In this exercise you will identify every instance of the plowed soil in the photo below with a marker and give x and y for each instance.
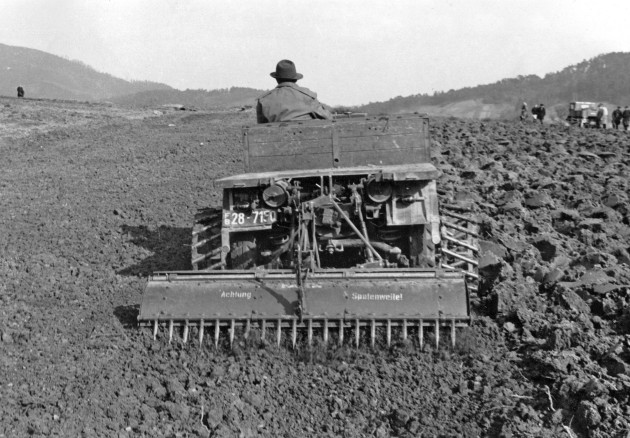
(95, 197)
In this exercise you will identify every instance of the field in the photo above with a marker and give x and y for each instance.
(95, 197)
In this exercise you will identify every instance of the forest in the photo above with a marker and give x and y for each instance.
(603, 78)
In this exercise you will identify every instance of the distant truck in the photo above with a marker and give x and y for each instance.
(583, 114)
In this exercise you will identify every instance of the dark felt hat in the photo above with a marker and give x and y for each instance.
(286, 70)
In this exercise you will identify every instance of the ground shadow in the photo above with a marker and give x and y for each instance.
(127, 315)
(170, 247)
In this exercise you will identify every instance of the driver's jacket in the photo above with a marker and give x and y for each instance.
(290, 102)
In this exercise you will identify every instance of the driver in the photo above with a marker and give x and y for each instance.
(288, 101)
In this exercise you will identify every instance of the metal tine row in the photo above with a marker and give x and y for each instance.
(341, 325)
(459, 239)
(459, 217)
(460, 228)
(462, 251)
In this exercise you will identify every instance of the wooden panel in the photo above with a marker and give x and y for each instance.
(344, 143)
(295, 162)
(379, 158)
(279, 132)
(379, 143)
(381, 127)
(280, 149)
(323, 160)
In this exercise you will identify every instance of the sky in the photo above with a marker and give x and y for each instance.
(350, 51)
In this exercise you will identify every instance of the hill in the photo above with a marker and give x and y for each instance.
(52, 77)
(222, 98)
(600, 79)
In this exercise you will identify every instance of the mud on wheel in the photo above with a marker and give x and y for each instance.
(206, 240)
(459, 247)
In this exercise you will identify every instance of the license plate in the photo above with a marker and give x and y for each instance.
(253, 219)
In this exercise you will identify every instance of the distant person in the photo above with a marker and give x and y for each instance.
(540, 114)
(20, 92)
(626, 118)
(524, 112)
(602, 116)
(535, 111)
(617, 117)
(288, 101)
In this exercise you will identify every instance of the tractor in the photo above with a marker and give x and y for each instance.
(334, 228)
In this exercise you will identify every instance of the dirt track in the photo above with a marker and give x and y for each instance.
(94, 198)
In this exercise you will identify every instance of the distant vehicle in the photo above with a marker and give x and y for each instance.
(583, 114)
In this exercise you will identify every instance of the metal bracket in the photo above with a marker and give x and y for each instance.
(335, 147)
